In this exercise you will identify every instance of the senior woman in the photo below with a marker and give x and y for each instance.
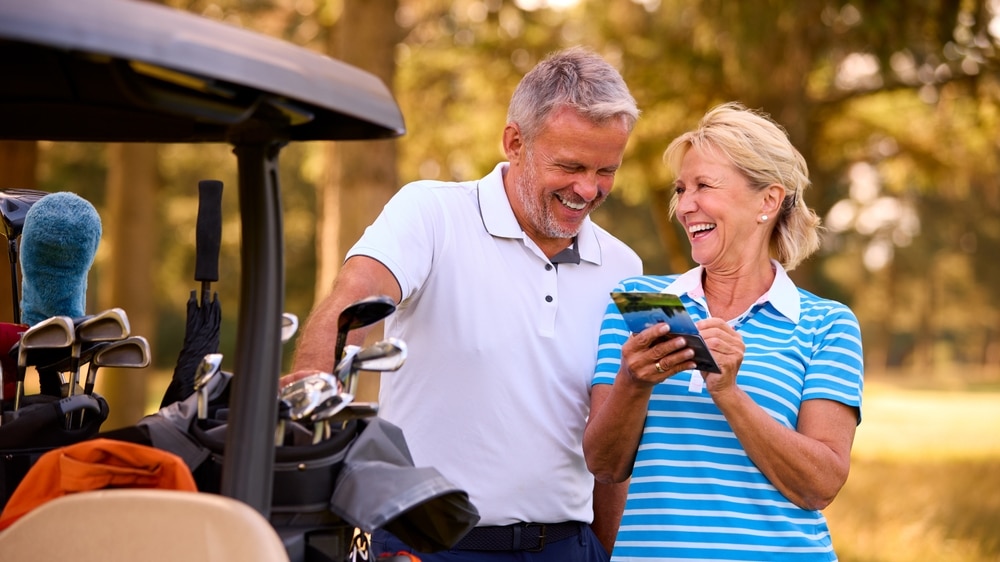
(734, 465)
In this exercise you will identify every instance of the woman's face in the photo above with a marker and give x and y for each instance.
(720, 212)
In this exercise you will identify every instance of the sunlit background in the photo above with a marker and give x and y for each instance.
(896, 106)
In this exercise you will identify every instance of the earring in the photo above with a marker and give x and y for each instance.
(763, 218)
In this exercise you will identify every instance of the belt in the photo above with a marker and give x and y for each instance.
(519, 536)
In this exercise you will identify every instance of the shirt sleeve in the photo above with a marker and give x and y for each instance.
(836, 369)
(403, 236)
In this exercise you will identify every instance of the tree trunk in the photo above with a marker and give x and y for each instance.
(361, 176)
(126, 279)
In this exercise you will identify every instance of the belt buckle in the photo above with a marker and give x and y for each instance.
(541, 537)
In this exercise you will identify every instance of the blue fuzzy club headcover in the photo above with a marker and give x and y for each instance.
(58, 244)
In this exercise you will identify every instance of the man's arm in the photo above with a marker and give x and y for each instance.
(609, 503)
(360, 277)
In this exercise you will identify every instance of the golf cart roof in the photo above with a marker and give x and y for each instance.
(132, 71)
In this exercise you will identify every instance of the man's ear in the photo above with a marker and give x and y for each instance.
(513, 142)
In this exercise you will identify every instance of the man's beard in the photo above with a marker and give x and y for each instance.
(537, 209)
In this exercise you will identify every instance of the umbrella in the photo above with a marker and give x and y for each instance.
(204, 315)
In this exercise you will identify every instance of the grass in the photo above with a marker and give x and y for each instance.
(925, 478)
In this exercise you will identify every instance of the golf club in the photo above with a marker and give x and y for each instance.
(129, 353)
(359, 314)
(14, 205)
(386, 355)
(308, 396)
(346, 365)
(109, 325)
(352, 411)
(284, 408)
(209, 367)
(54, 332)
(321, 419)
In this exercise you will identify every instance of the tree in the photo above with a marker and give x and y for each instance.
(909, 90)
(18, 165)
(361, 176)
(129, 229)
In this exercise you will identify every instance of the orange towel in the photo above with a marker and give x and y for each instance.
(94, 465)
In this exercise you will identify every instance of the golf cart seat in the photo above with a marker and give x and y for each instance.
(153, 525)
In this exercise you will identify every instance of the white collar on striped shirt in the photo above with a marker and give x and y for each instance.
(783, 294)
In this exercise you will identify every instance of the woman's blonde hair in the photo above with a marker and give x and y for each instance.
(758, 147)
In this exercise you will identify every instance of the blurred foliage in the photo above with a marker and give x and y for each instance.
(907, 93)
(896, 106)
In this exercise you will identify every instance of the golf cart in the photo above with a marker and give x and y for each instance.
(132, 71)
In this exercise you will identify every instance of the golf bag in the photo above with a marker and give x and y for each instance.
(38, 427)
(362, 477)
(40, 423)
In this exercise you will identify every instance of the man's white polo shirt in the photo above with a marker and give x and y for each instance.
(502, 346)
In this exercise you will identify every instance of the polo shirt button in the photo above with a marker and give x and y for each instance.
(548, 298)
(548, 267)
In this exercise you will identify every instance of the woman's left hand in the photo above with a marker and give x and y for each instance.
(727, 348)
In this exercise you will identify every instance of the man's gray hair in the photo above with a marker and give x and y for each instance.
(576, 78)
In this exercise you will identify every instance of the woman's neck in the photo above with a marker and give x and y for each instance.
(731, 294)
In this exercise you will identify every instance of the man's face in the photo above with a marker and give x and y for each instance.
(563, 174)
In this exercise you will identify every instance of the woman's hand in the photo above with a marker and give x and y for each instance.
(727, 349)
(652, 356)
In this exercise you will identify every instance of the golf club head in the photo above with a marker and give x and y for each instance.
(54, 332)
(361, 313)
(57, 331)
(309, 395)
(332, 408)
(209, 366)
(386, 355)
(129, 353)
(321, 419)
(108, 325)
(346, 365)
(14, 205)
(289, 325)
(355, 411)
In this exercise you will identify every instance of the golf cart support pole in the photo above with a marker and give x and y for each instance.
(247, 470)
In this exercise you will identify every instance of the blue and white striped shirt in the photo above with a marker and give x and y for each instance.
(694, 494)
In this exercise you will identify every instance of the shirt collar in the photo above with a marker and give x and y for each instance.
(783, 295)
(569, 255)
(499, 219)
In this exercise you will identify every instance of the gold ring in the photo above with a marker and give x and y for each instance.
(659, 369)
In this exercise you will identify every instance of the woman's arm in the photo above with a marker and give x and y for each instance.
(808, 464)
(618, 411)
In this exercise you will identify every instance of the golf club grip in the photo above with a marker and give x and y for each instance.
(209, 230)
